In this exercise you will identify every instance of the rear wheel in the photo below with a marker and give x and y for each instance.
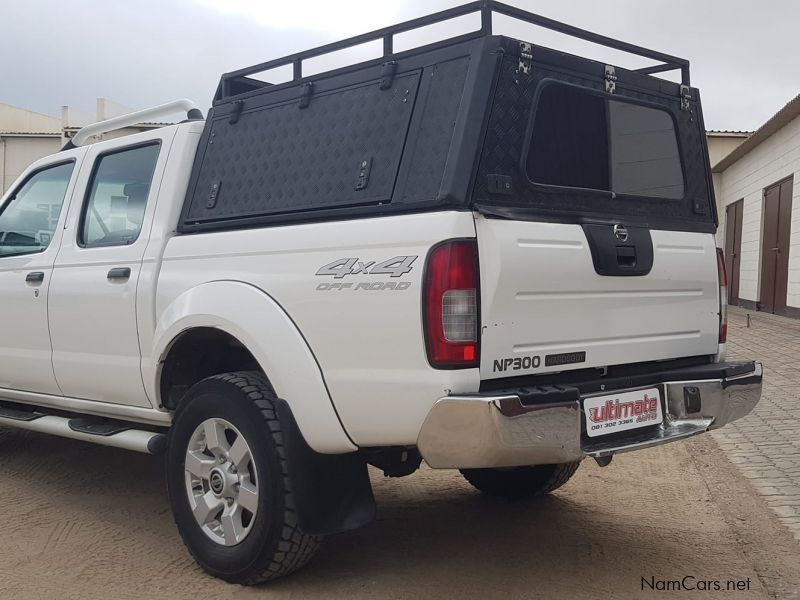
(228, 482)
(521, 482)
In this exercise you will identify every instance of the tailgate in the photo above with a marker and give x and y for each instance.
(545, 308)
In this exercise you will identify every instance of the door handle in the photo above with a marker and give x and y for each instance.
(35, 277)
(119, 273)
(626, 256)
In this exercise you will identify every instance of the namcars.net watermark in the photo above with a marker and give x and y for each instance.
(691, 583)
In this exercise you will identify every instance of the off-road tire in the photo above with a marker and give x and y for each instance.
(275, 546)
(521, 482)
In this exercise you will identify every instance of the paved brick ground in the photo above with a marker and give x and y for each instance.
(766, 444)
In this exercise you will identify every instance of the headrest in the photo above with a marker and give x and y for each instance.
(137, 200)
(136, 190)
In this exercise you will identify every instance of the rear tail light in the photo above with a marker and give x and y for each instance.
(451, 305)
(723, 297)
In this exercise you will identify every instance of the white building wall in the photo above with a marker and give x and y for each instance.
(18, 152)
(18, 120)
(720, 144)
(25, 136)
(771, 161)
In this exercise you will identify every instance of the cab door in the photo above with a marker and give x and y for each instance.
(93, 320)
(31, 220)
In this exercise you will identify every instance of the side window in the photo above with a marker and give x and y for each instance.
(569, 145)
(644, 152)
(115, 204)
(584, 140)
(30, 216)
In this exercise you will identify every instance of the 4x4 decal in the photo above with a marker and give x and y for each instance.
(394, 267)
(342, 267)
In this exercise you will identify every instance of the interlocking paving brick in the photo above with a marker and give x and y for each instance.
(765, 445)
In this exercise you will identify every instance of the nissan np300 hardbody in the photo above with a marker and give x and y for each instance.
(483, 253)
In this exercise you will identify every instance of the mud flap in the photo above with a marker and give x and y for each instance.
(332, 492)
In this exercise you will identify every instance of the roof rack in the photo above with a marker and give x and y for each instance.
(134, 118)
(486, 8)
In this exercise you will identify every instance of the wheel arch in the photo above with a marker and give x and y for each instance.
(195, 354)
(250, 323)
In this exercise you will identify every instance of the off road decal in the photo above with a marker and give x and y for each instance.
(370, 286)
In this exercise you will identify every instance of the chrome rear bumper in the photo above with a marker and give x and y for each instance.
(504, 430)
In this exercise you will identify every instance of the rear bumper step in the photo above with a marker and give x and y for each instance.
(510, 428)
(117, 434)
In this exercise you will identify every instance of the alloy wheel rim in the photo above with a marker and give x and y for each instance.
(221, 481)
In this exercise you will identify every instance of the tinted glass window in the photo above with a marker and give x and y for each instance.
(117, 199)
(584, 140)
(644, 152)
(30, 216)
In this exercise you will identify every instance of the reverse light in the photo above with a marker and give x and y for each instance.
(723, 297)
(451, 305)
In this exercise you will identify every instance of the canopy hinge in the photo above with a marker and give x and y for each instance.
(525, 58)
(388, 69)
(611, 79)
(236, 111)
(686, 96)
(305, 94)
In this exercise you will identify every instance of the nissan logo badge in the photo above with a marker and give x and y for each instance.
(621, 232)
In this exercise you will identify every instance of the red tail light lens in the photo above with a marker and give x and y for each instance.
(723, 297)
(451, 311)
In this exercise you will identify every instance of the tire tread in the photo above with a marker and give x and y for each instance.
(295, 548)
(521, 482)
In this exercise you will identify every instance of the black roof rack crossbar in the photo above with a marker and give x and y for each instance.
(665, 67)
(486, 8)
(669, 62)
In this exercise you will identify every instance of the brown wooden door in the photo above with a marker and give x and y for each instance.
(775, 246)
(733, 248)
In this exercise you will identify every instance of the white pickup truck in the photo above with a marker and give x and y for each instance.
(482, 253)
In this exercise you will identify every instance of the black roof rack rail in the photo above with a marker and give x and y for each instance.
(486, 9)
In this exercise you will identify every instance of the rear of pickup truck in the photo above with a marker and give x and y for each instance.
(574, 363)
(600, 312)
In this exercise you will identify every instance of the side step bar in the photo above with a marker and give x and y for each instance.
(118, 434)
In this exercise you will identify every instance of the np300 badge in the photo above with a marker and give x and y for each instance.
(517, 363)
